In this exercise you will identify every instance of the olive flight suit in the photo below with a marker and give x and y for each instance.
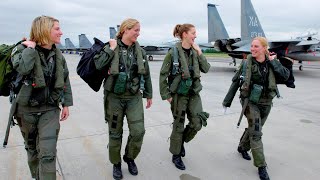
(183, 86)
(264, 75)
(45, 86)
(128, 82)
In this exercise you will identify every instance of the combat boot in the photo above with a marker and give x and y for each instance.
(263, 174)
(117, 172)
(176, 159)
(131, 166)
(244, 154)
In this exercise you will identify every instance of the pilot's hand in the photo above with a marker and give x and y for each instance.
(64, 113)
(29, 43)
(197, 48)
(169, 100)
(272, 56)
(149, 103)
(113, 44)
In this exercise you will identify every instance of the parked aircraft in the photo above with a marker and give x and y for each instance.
(297, 49)
(151, 49)
(69, 47)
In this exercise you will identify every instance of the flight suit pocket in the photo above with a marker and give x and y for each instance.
(197, 87)
(109, 83)
(175, 84)
(24, 95)
(30, 118)
(255, 93)
(134, 85)
(184, 86)
(120, 84)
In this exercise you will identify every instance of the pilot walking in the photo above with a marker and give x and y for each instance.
(46, 88)
(128, 82)
(256, 78)
(180, 85)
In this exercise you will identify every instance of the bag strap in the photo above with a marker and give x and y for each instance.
(175, 63)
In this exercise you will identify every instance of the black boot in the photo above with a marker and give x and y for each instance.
(183, 151)
(263, 174)
(131, 166)
(117, 172)
(176, 159)
(244, 154)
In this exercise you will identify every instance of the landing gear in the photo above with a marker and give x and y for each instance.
(300, 67)
(150, 58)
(234, 62)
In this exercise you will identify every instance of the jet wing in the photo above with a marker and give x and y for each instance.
(244, 48)
(308, 43)
(207, 45)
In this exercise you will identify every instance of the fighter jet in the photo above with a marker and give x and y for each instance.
(300, 48)
(70, 48)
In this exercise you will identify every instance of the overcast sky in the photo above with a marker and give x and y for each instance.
(280, 19)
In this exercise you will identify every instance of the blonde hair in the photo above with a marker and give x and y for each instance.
(126, 24)
(179, 29)
(264, 43)
(41, 30)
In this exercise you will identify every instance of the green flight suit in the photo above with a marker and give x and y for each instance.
(38, 111)
(265, 75)
(129, 103)
(183, 104)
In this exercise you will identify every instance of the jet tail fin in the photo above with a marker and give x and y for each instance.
(84, 42)
(250, 24)
(69, 44)
(216, 28)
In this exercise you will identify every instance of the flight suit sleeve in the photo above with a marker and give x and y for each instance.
(203, 64)
(147, 93)
(233, 88)
(23, 59)
(103, 58)
(164, 74)
(281, 73)
(67, 92)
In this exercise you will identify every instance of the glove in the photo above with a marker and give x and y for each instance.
(203, 117)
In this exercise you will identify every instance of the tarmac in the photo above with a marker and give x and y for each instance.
(290, 135)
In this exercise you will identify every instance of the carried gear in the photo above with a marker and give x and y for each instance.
(10, 122)
(203, 117)
(8, 75)
(287, 64)
(244, 107)
(86, 68)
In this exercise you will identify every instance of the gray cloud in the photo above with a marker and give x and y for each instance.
(280, 19)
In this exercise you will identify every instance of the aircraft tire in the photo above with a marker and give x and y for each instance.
(150, 58)
(301, 68)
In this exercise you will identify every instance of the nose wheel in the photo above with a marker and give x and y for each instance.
(301, 68)
(150, 58)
